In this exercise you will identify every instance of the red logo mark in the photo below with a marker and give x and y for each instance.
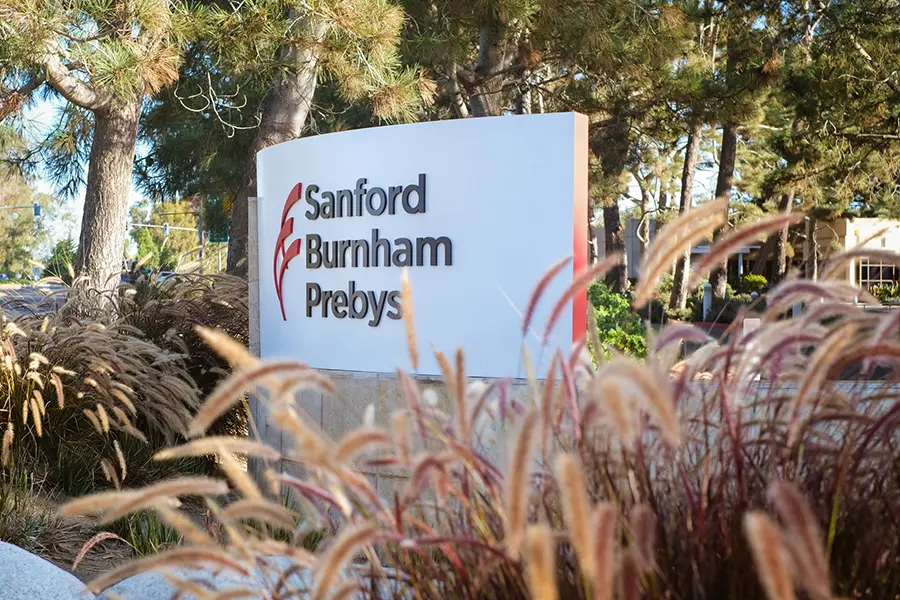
(292, 251)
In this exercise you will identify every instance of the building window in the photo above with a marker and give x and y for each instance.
(872, 273)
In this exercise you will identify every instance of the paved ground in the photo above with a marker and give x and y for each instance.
(18, 300)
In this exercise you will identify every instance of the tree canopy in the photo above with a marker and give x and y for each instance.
(776, 106)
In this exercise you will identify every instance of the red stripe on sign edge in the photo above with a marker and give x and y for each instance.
(580, 233)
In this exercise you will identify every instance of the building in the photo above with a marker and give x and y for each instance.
(845, 234)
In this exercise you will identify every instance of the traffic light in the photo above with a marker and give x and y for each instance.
(37, 209)
(165, 229)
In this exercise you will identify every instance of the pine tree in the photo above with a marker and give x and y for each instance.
(104, 58)
(286, 48)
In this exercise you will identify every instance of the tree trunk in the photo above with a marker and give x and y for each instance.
(759, 268)
(663, 202)
(683, 266)
(456, 95)
(283, 118)
(781, 242)
(812, 256)
(100, 250)
(486, 96)
(724, 183)
(617, 277)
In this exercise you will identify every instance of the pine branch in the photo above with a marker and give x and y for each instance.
(889, 80)
(11, 100)
(879, 136)
(70, 87)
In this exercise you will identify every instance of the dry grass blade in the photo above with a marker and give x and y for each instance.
(678, 332)
(189, 588)
(361, 440)
(177, 557)
(604, 531)
(270, 547)
(312, 444)
(345, 590)
(446, 371)
(576, 508)
(539, 290)
(183, 525)
(232, 389)
(400, 434)
(94, 420)
(517, 482)
(817, 372)
(104, 418)
(769, 556)
(530, 375)
(58, 386)
(95, 503)
(140, 263)
(805, 535)
(121, 458)
(226, 347)
(654, 393)
(630, 576)
(546, 406)
(672, 241)
(838, 260)
(209, 446)
(89, 545)
(8, 437)
(162, 493)
(238, 476)
(643, 527)
(462, 410)
(620, 414)
(540, 562)
(408, 322)
(338, 553)
(581, 281)
(799, 290)
(259, 509)
(737, 239)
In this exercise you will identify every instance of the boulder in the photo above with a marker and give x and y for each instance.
(155, 586)
(26, 576)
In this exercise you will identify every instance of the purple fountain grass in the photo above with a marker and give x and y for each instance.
(682, 456)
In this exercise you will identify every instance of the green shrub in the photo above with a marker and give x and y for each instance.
(146, 533)
(664, 290)
(886, 292)
(59, 263)
(618, 325)
(753, 283)
(679, 314)
(721, 311)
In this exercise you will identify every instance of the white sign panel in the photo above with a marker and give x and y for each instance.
(477, 210)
